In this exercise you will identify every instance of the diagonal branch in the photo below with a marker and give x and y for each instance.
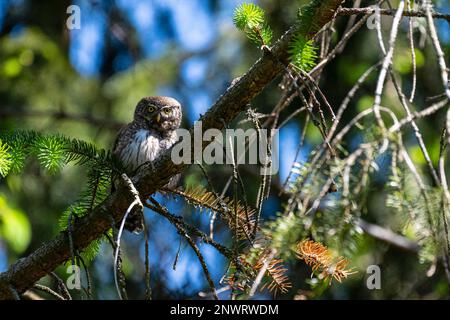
(23, 274)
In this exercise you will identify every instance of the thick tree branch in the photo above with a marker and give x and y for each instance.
(25, 272)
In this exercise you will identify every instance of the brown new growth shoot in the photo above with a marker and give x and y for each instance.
(320, 259)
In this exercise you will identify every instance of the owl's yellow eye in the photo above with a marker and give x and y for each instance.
(152, 108)
(166, 110)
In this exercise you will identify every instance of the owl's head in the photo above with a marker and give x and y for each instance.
(159, 113)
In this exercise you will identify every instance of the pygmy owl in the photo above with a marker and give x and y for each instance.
(152, 131)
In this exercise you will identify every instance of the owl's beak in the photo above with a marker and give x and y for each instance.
(158, 117)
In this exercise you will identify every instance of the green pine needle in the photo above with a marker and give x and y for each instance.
(5, 159)
(20, 143)
(92, 250)
(306, 16)
(303, 53)
(49, 151)
(266, 34)
(76, 212)
(249, 18)
(55, 151)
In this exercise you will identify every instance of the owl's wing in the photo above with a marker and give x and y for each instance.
(117, 148)
(119, 143)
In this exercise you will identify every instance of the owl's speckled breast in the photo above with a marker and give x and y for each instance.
(145, 146)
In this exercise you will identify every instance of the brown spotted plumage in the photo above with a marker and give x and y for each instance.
(152, 131)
